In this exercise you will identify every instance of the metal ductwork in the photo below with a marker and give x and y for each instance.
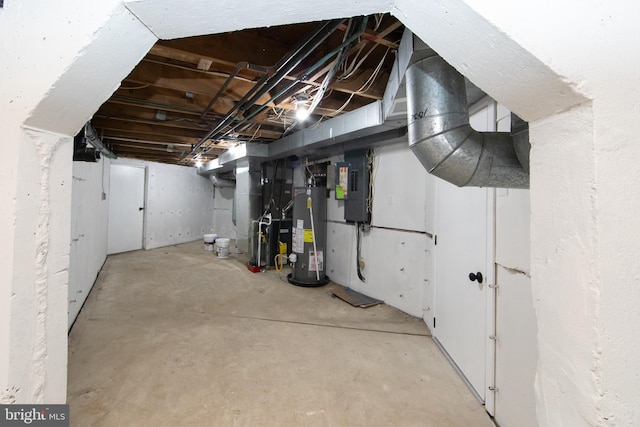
(221, 183)
(439, 133)
(444, 142)
(247, 201)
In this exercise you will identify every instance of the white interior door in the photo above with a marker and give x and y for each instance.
(126, 208)
(465, 308)
(460, 303)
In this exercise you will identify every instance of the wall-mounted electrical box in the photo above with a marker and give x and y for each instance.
(352, 185)
(342, 181)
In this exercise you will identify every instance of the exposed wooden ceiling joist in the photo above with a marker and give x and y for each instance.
(162, 105)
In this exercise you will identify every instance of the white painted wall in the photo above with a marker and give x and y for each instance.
(397, 250)
(223, 225)
(42, 108)
(179, 204)
(40, 266)
(89, 220)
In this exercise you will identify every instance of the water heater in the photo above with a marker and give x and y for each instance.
(309, 236)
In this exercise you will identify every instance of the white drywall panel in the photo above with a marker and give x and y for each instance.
(89, 221)
(396, 268)
(397, 265)
(399, 189)
(179, 204)
(341, 252)
(223, 224)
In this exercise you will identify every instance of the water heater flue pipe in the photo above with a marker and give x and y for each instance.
(442, 139)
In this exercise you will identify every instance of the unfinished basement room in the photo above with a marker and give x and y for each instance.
(334, 214)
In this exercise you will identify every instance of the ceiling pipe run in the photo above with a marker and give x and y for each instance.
(239, 67)
(284, 67)
(444, 142)
(439, 132)
(283, 93)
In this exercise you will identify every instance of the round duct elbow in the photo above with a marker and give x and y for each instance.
(442, 139)
(221, 183)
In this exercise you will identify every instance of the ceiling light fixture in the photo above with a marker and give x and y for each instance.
(302, 109)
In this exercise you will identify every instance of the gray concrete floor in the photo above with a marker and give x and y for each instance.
(178, 337)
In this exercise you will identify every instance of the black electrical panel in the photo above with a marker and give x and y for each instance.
(352, 186)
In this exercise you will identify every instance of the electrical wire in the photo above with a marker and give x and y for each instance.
(135, 87)
(369, 82)
(364, 88)
(312, 177)
(371, 158)
(348, 68)
(378, 18)
(351, 34)
(353, 67)
(358, 238)
(255, 133)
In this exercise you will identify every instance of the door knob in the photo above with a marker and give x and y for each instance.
(140, 209)
(475, 276)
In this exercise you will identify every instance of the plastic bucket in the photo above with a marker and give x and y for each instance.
(222, 245)
(209, 240)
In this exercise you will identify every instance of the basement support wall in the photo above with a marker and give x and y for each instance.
(55, 75)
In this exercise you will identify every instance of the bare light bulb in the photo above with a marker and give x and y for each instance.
(302, 110)
(301, 113)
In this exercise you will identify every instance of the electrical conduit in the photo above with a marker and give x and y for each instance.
(313, 234)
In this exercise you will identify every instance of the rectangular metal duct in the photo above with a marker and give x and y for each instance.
(247, 198)
(227, 160)
(341, 131)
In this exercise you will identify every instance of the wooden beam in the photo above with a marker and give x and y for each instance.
(160, 139)
(145, 128)
(379, 37)
(184, 80)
